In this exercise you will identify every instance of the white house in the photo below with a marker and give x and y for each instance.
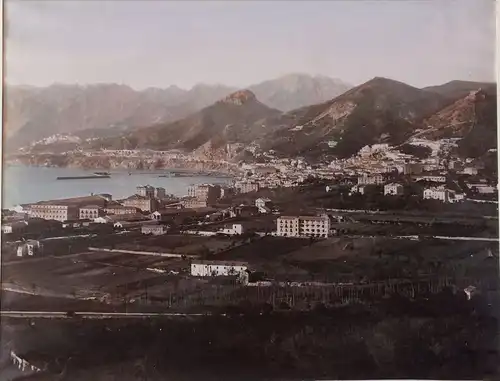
(470, 291)
(393, 189)
(234, 229)
(29, 247)
(438, 193)
(13, 227)
(470, 171)
(363, 189)
(217, 268)
(262, 202)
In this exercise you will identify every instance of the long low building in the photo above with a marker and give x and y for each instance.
(64, 209)
(217, 268)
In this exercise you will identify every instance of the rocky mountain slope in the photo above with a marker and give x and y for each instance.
(34, 113)
(104, 110)
(380, 110)
(472, 118)
(234, 119)
(298, 90)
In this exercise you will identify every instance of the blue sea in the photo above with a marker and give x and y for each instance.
(24, 184)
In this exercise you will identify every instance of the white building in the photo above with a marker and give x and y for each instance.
(439, 193)
(303, 226)
(363, 189)
(234, 229)
(30, 247)
(393, 189)
(435, 179)
(262, 202)
(217, 268)
(370, 180)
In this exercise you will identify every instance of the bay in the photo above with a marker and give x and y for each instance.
(25, 184)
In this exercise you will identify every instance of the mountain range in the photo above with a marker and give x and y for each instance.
(101, 110)
(381, 110)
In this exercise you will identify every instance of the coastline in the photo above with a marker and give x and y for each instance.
(123, 164)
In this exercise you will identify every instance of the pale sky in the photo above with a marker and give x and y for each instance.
(237, 43)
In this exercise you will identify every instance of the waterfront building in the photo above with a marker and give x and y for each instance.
(58, 212)
(144, 203)
(90, 212)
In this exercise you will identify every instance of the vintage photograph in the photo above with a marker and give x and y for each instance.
(249, 190)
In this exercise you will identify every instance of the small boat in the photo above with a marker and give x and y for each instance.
(102, 173)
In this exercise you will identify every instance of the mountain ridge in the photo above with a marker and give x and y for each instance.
(33, 113)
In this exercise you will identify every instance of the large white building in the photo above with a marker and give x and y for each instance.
(49, 211)
(303, 226)
(393, 189)
(217, 268)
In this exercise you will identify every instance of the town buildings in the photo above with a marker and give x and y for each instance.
(393, 189)
(194, 203)
(120, 209)
(150, 191)
(437, 193)
(144, 203)
(376, 179)
(247, 186)
(50, 211)
(90, 212)
(303, 226)
(145, 191)
(412, 168)
(205, 193)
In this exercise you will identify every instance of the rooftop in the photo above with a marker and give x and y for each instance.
(74, 201)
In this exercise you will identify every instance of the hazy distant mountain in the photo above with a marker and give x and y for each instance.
(297, 90)
(209, 120)
(34, 113)
(233, 119)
